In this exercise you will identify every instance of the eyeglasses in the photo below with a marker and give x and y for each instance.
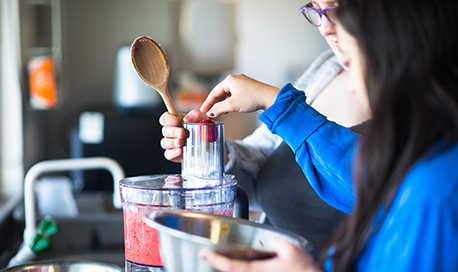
(314, 15)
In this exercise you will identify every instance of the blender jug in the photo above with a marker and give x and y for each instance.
(202, 186)
(144, 194)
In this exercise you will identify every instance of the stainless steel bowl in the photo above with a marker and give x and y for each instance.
(64, 266)
(183, 234)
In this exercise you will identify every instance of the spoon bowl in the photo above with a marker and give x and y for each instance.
(152, 66)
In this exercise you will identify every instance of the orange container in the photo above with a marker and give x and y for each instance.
(42, 83)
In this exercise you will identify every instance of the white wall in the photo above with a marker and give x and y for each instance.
(275, 44)
(275, 41)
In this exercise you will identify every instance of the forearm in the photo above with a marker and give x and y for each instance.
(323, 149)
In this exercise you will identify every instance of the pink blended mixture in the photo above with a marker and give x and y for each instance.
(141, 241)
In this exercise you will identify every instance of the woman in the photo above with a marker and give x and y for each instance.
(264, 166)
(405, 209)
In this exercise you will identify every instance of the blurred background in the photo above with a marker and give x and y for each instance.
(68, 88)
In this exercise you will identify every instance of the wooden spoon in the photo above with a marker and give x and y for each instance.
(152, 66)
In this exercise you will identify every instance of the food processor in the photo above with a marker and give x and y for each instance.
(202, 186)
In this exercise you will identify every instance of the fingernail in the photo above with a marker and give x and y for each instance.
(202, 255)
(188, 118)
(211, 113)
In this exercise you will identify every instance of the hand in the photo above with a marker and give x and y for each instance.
(289, 258)
(174, 134)
(239, 93)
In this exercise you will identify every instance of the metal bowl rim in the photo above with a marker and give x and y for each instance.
(60, 262)
(149, 220)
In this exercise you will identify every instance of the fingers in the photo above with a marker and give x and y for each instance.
(222, 263)
(297, 258)
(238, 93)
(174, 155)
(289, 258)
(194, 116)
(283, 247)
(174, 132)
(168, 119)
(172, 143)
(220, 93)
(223, 107)
(174, 136)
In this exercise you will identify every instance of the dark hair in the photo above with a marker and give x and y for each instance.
(410, 52)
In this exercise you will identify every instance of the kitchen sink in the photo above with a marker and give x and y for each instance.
(97, 234)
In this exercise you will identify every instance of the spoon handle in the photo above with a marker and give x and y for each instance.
(169, 103)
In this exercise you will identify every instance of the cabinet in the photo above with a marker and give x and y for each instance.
(41, 52)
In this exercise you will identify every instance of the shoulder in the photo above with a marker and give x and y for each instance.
(326, 56)
(417, 231)
(429, 192)
(322, 70)
(434, 176)
(324, 62)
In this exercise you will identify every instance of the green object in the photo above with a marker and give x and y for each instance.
(46, 228)
(39, 242)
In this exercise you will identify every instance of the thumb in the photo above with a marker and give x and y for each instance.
(294, 255)
(194, 116)
(283, 247)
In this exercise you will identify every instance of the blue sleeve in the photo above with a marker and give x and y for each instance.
(323, 149)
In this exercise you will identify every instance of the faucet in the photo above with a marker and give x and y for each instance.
(49, 166)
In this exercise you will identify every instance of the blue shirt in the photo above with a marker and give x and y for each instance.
(419, 232)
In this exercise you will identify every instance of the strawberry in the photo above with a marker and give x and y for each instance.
(207, 121)
(208, 133)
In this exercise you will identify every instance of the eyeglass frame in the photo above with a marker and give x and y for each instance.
(320, 12)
